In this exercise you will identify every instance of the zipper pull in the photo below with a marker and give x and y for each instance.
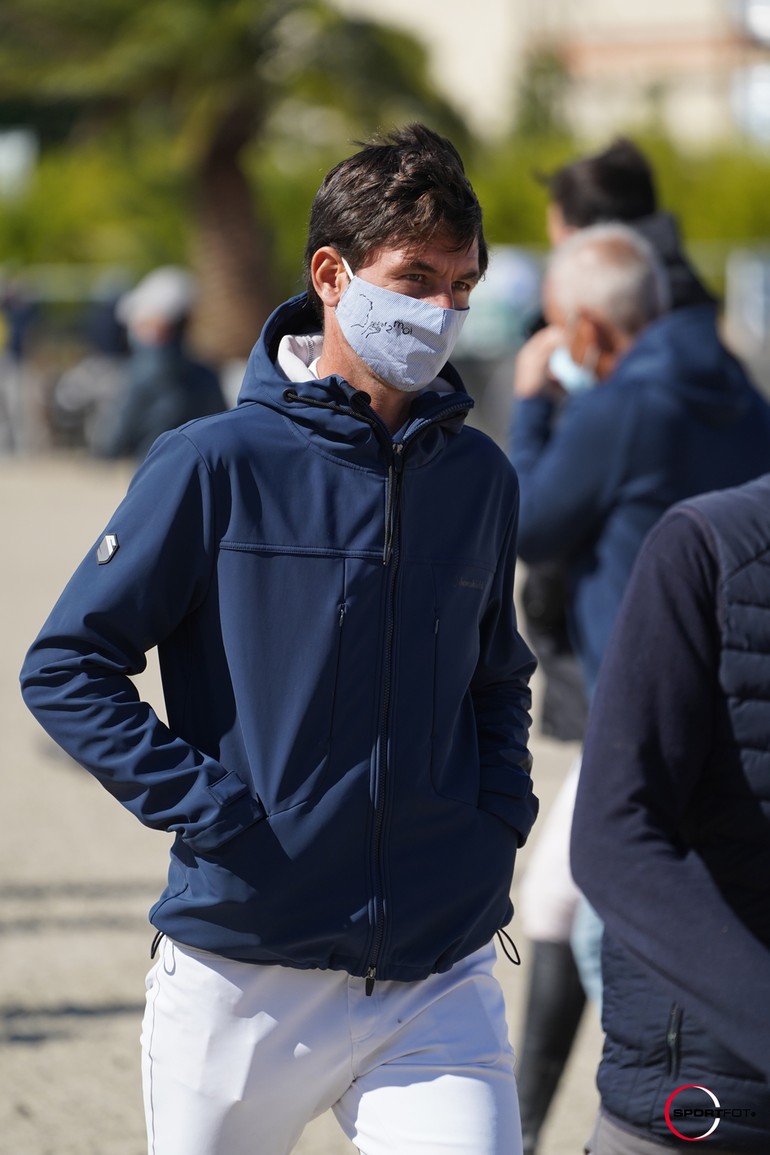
(370, 976)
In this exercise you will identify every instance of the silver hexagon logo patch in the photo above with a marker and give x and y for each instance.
(107, 549)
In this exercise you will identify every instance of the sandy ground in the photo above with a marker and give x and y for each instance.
(78, 874)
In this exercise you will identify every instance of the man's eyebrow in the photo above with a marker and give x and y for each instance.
(472, 274)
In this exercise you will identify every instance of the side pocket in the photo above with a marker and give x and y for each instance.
(673, 1041)
(239, 811)
(459, 594)
(342, 611)
(436, 628)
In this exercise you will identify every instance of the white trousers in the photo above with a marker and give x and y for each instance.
(549, 898)
(238, 1058)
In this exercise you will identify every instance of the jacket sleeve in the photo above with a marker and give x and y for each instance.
(76, 678)
(563, 458)
(502, 701)
(645, 760)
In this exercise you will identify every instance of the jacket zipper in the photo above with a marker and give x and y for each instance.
(390, 558)
(391, 502)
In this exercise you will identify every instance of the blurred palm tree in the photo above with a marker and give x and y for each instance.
(216, 79)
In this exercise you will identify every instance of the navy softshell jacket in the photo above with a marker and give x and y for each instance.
(345, 764)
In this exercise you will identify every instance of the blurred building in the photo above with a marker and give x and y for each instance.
(701, 68)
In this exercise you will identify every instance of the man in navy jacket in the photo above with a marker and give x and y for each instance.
(327, 571)
(671, 835)
(659, 411)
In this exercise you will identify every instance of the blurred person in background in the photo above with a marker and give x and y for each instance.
(164, 386)
(618, 184)
(91, 386)
(327, 570)
(615, 184)
(621, 409)
(671, 835)
(17, 314)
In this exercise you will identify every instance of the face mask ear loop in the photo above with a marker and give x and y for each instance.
(591, 363)
(587, 362)
(346, 267)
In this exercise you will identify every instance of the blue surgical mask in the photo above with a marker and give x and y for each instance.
(572, 377)
(405, 341)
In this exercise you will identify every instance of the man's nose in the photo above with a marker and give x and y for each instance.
(444, 298)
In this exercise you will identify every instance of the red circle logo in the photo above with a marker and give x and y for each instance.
(707, 1117)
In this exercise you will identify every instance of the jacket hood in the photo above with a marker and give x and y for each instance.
(682, 353)
(685, 286)
(331, 408)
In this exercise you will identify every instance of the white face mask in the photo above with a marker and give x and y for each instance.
(572, 377)
(405, 341)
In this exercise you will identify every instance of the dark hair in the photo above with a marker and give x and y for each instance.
(614, 185)
(402, 187)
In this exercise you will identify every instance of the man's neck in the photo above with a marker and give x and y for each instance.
(391, 405)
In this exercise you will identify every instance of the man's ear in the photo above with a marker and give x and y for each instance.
(598, 344)
(329, 277)
(591, 330)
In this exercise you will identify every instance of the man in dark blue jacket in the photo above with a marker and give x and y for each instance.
(327, 571)
(671, 835)
(656, 410)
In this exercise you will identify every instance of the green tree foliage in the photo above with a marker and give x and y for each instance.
(508, 185)
(541, 96)
(198, 130)
(206, 87)
(723, 193)
(84, 206)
